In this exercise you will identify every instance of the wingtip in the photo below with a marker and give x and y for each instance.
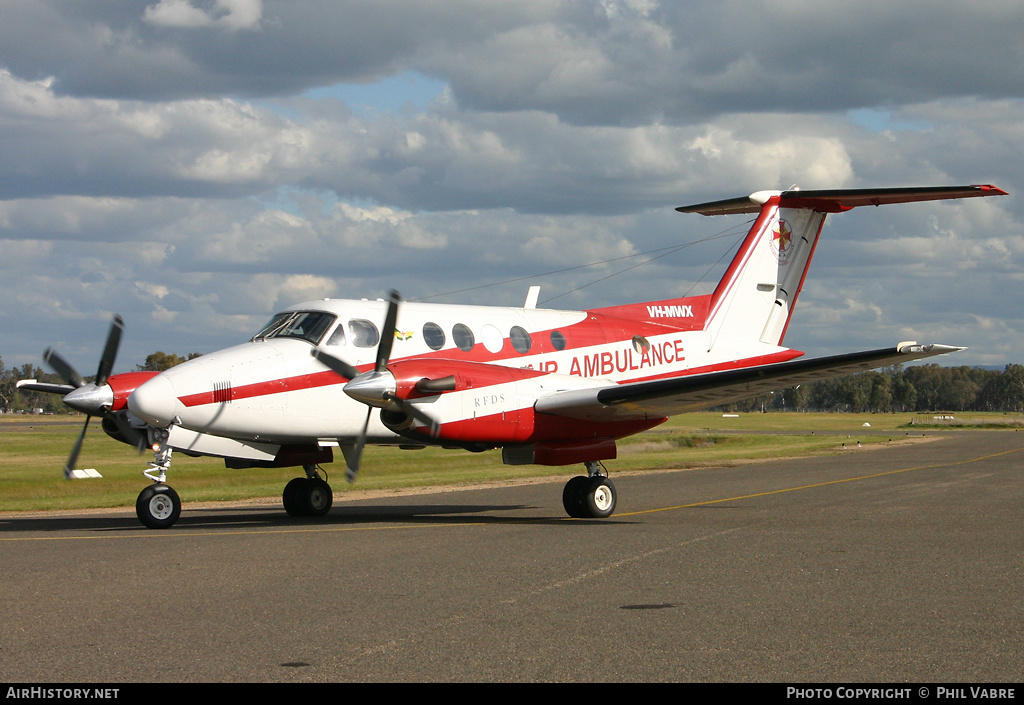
(912, 346)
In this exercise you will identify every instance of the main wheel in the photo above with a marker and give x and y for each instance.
(290, 496)
(600, 498)
(314, 498)
(158, 506)
(573, 496)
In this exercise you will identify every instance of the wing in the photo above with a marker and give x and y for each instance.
(665, 397)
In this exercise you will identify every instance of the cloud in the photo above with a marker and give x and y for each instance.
(228, 14)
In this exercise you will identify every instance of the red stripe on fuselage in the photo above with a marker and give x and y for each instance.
(596, 329)
(328, 378)
(259, 389)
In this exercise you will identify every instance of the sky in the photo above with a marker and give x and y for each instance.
(197, 165)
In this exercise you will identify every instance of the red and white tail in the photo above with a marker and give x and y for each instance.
(754, 300)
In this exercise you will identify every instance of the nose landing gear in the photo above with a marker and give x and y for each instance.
(158, 506)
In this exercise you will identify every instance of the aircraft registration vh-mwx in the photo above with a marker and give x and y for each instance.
(547, 387)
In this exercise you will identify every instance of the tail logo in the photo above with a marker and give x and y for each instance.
(782, 241)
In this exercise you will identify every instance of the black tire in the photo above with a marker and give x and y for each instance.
(291, 494)
(573, 498)
(315, 498)
(158, 507)
(600, 498)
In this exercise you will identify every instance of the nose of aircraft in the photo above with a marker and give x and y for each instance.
(154, 402)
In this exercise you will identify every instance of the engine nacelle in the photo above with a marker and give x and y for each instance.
(124, 384)
(491, 405)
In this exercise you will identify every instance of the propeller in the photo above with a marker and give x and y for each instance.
(377, 387)
(91, 398)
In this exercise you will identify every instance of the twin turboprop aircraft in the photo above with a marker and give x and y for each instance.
(547, 387)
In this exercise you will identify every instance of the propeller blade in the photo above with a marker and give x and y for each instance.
(373, 387)
(387, 335)
(110, 350)
(61, 366)
(423, 417)
(340, 366)
(92, 399)
(73, 458)
(357, 453)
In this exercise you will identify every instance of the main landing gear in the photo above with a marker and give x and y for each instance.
(308, 496)
(159, 506)
(590, 497)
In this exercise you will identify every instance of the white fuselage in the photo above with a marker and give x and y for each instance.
(273, 391)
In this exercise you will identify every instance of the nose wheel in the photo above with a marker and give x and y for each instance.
(158, 506)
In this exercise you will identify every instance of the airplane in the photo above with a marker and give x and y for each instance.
(547, 387)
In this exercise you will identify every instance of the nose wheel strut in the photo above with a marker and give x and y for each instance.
(158, 506)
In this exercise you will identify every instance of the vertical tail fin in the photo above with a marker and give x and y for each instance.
(755, 299)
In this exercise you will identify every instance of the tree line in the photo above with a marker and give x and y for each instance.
(892, 389)
(897, 389)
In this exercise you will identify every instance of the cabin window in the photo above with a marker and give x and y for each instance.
(463, 337)
(363, 333)
(492, 338)
(433, 336)
(557, 340)
(520, 339)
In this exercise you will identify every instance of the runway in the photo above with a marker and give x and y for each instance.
(894, 565)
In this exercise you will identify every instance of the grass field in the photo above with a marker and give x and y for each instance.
(33, 450)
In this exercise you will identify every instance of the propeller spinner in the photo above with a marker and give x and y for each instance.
(377, 387)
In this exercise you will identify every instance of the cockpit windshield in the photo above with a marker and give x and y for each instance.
(304, 325)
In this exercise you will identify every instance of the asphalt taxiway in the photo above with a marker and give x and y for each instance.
(889, 565)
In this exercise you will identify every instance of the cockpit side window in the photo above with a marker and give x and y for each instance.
(338, 336)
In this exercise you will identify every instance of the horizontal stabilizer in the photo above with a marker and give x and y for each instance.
(30, 385)
(839, 200)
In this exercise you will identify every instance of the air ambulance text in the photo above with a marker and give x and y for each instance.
(626, 359)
